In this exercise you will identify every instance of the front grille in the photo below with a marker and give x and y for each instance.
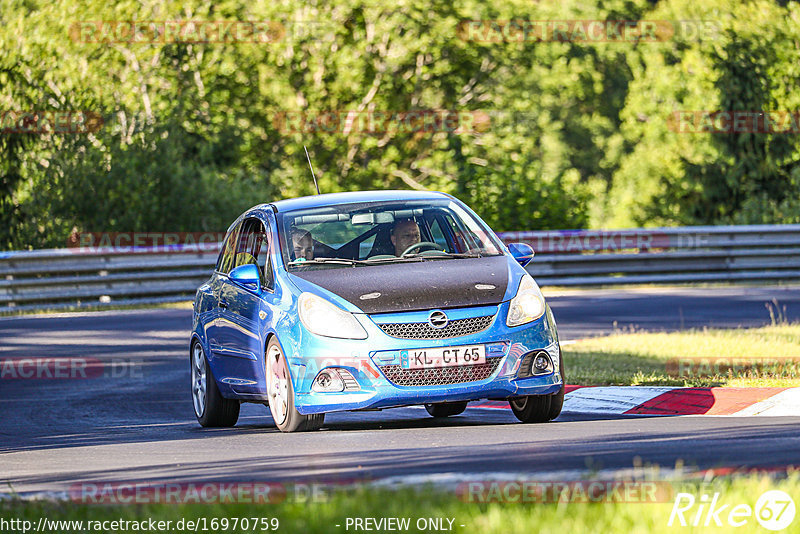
(455, 328)
(439, 376)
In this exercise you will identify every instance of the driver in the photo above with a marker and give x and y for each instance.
(303, 244)
(405, 233)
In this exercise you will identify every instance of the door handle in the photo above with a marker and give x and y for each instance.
(223, 304)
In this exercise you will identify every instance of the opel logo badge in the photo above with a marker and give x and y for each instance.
(438, 319)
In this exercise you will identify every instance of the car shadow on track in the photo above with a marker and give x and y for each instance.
(416, 417)
(90, 430)
(565, 448)
(255, 419)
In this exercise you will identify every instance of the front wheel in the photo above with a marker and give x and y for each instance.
(210, 407)
(557, 400)
(281, 394)
(531, 408)
(541, 408)
(446, 409)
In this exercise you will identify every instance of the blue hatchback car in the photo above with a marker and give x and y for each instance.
(370, 300)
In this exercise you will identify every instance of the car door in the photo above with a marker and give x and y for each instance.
(246, 310)
(225, 263)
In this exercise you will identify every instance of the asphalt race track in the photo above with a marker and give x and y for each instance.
(135, 423)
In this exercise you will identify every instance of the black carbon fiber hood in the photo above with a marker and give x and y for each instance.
(417, 286)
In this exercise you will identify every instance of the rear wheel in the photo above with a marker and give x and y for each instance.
(281, 394)
(446, 409)
(210, 407)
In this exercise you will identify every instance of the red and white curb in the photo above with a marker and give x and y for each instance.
(645, 400)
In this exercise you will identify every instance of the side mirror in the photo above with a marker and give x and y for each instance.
(522, 252)
(247, 276)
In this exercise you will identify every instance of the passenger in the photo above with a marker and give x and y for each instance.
(303, 244)
(405, 233)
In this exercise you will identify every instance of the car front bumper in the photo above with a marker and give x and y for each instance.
(364, 359)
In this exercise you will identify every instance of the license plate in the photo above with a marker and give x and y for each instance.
(442, 357)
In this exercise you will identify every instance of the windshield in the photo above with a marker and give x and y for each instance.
(382, 232)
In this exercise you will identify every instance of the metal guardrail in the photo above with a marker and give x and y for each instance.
(664, 255)
(87, 277)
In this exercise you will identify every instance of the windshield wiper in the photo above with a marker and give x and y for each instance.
(340, 261)
(442, 254)
(394, 259)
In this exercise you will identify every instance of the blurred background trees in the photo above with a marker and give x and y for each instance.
(576, 134)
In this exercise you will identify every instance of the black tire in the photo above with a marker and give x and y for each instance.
(531, 408)
(541, 408)
(212, 410)
(446, 409)
(292, 421)
(557, 400)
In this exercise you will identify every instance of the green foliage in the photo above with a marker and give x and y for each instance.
(749, 62)
(568, 134)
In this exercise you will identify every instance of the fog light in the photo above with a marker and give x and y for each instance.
(327, 381)
(541, 363)
(535, 363)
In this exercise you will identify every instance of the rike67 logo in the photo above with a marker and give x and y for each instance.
(774, 510)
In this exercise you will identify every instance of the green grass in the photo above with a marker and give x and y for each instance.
(642, 358)
(484, 518)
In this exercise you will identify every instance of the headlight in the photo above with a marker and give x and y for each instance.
(325, 319)
(528, 305)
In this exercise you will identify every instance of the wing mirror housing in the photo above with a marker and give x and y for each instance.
(248, 277)
(522, 252)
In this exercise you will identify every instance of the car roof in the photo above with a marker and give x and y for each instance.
(330, 199)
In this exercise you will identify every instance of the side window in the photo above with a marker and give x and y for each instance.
(438, 235)
(221, 258)
(365, 247)
(226, 259)
(253, 248)
(459, 235)
(246, 250)
(265, 264)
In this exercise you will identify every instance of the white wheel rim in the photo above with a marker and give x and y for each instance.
(277, 384)
(198, 380)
